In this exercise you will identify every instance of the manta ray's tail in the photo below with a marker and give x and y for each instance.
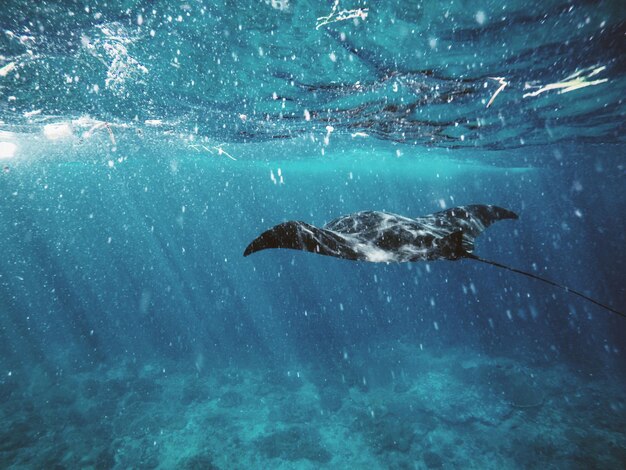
(548, 281)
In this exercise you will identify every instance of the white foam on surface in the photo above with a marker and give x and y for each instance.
(7, 150)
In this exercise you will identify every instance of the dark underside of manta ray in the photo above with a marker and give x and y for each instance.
(383, 237)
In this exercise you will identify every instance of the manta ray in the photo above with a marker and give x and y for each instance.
(382, 237)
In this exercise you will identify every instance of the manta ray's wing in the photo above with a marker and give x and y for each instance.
(472, 220)
(302, 236)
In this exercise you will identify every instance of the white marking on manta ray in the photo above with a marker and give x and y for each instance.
(373, 253)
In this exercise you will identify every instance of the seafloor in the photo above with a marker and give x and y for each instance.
(408, 409)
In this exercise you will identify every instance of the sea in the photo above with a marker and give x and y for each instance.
(145, 143)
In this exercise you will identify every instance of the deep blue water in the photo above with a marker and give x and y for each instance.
(145, 144)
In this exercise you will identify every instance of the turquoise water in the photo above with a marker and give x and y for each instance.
(143, 146)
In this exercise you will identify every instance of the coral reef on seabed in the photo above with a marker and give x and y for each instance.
(448, 410)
